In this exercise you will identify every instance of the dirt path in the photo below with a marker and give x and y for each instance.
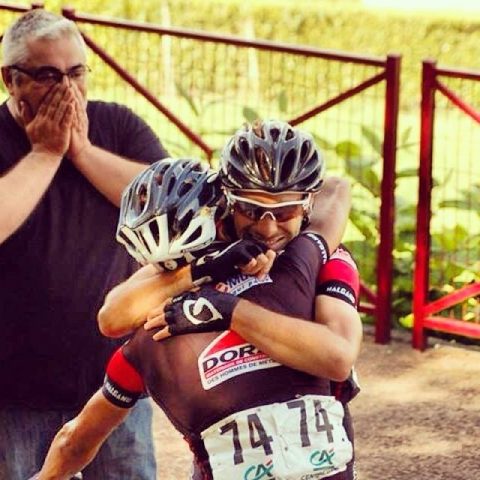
(417, 417)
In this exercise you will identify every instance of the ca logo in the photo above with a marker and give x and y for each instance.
(200, 311)
(322, 459)
(258, 472)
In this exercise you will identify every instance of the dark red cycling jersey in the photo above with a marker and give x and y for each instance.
(243, 414)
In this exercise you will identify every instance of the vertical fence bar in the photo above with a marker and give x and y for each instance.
(387, 209)
(422, 254)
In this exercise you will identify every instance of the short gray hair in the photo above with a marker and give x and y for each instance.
(35, 24)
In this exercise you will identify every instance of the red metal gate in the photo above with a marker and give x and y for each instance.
(454, 113)
(327, 91)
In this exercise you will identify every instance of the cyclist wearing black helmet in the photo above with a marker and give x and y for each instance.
(259, 168)
(270, 172)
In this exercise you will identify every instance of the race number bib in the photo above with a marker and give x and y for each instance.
(293, 440)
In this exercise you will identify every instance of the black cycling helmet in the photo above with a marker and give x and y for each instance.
(274, 157)
(169, 211)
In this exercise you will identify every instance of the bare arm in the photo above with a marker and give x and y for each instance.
(330, 211)
(327, 347)
(22, 187)
(79, 440)
(127, 305)
(142, 296)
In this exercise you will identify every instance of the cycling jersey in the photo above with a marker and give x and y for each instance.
(243, 414)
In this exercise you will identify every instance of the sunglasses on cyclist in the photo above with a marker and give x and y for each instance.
(51, 75)
(279, 212)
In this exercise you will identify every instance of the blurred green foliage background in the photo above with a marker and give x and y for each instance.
(354, 147)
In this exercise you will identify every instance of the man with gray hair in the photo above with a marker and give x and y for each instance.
(64, 163)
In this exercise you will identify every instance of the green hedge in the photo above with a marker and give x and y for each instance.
(327, 24)
(451, 41)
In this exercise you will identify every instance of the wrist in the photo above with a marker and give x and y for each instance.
(44, 159)
(81, 152)
(182, 279)
(199, 274)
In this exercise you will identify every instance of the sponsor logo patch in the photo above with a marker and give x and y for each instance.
(228, 356)
(340, 291)
(200, 311)
(240, 283)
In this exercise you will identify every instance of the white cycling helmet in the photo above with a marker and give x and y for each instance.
(169, 212)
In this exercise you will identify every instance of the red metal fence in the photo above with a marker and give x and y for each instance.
(448, 214)
(196, 88)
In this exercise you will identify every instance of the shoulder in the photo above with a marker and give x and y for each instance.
(340, 267)
(123, 384)
(122, 371)
(342, 254)
(307, 248)
(4, 113)
(118, 129)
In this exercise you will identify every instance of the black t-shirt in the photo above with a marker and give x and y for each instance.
(57, 267)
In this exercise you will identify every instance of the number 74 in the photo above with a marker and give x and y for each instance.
(260, 438)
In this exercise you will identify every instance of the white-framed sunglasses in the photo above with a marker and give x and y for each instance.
(256, 211)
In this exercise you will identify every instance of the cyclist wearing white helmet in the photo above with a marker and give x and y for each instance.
(288, 379)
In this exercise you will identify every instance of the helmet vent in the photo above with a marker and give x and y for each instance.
(244, 147)
(142, 196)
(159, 178)
(194, 235)
(313, 179)
(153, 226)
(288, 165)
(184, 189)
(305, 149)
(290, 134)
(170, 185)
(275, 133)
(185, 221)
(172, 216)
(204, 196)
(263, 164)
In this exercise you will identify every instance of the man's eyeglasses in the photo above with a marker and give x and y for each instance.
(50, 75)
(256, 211)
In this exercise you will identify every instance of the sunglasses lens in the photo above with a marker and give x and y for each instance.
(283, 214)
(247, 209)
(256, 213)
